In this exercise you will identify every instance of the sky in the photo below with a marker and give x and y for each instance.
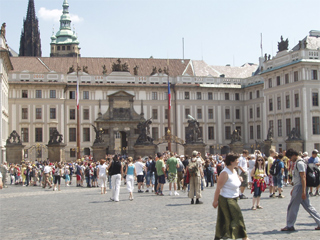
(218, 32)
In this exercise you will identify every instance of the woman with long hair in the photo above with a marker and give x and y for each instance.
(130, 173)
(258, 173)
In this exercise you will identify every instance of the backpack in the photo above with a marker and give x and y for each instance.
(153, 166)
(312, 176)
(86, 172)
(275, 169)
(193, 168)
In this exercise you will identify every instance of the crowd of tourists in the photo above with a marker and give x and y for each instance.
(232, 173)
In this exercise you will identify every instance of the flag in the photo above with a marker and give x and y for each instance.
(169, 96)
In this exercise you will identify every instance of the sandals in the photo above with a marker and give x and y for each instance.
(259, 207)
(253, 208)
(288, 229)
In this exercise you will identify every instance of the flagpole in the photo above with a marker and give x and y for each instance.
(169, 110)
(78, 112)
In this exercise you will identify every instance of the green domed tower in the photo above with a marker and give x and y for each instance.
(65, 43)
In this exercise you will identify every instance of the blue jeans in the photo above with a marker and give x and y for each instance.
(257, 191)
(278, 180)
(88, 180)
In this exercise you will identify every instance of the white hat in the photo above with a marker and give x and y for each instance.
(194, 153)
(305, 154)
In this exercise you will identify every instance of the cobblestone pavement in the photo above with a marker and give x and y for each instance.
(83, 213)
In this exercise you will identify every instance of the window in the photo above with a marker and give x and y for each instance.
(155, 133)
(210, 96)
(52, 113)
(250, 95)
(237, 113)
(210, 113)
(63, 48)
(52, 93)
(24, 93)
(85, 114)
(297, 124)
(226, 96)
(187, 95)
(38, 113)
(166, 114)
(316, 125)
(295, 76)
(210, 133)
(186, 112)
(287, 101)
(72, 95)
(314, 75)
(227, 113)
(315, 99)
(51, 130)
(85, 94)
(68, 47)
(270, 105)
(38, 136)
(154, 113)
(251, 132)
(286, 78)
(72, 114)
(86, 134)
(270, 82)
(279, 128)
(258, 112)
(24, 113)
(288, 126)
(38, 94)
(154, 96)
(25, 134)
(72, 152)
(72, 135)
(258, 93)
(251, 112)
(278, 81)
(198, 95)
(237, 96)
(271, 124)
(296, 100)
(228, 132)
(258, 132)
(199, 113)
(279, 103)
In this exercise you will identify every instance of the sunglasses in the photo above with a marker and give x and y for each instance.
(260, 160)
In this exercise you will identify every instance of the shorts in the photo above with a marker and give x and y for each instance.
(270, 180)
(172, 177)
(162, 179)
(286, 173)
(278, 181)
(67, 177)
(78, 177)
(140, 178)
(244, 176)
(57, 179)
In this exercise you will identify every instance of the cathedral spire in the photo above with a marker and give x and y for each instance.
(30, 42)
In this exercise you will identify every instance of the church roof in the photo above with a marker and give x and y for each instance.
(177, 67)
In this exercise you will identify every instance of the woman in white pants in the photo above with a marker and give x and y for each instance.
(117, 172)
(130, 173)
(102, 175)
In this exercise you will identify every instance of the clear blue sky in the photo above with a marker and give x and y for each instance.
(219, 32)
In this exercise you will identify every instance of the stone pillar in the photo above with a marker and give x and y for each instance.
(99, 151)
(295, 144)
(14, 153)
(236, 147)
(144, 150)
(56, 152)
(190, 147)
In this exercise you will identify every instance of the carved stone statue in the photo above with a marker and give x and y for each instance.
(159, 70)
(118, 67)
(104, 71)
(269, 57)
(144, 131)
(193, 132)
(99, 133)
(154, 71)
(165, 71)
(283, 45)
(3, 30)
(71, 69)
(265, 57)
(305, 44)
(78, 68)
(85, 69)
(135, 70)
(55, 138)
(270, 134)
(235, 136)
(294, 134)
(14, 138)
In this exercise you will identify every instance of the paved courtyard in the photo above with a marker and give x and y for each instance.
(83, 213)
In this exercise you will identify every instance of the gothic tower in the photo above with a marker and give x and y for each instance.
(30, 42)
(65, 43)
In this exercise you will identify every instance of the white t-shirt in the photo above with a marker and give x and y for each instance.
(102, 170)
(243, 164)
(231, 188)
(47, 169)
(139, 168)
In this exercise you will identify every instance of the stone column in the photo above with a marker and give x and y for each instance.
(56, 152)
(99, 151)
(295, 144)
(236, 147)
(144, 150)
(14, 153)
(190, 147)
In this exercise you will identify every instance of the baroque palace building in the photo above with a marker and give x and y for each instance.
(281, 93)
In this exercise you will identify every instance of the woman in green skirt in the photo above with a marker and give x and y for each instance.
(230, 223)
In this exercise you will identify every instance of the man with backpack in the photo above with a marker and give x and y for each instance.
(277, 171)
(299, 193)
